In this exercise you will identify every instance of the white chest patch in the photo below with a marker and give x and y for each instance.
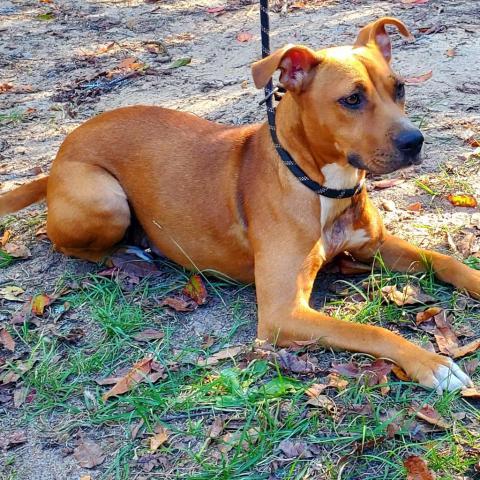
(338, 233)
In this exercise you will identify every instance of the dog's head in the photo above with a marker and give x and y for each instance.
(350, 101)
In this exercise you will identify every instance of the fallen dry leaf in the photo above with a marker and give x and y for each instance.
(244, 36)
(195, 289)
(315, 390)
(431, 416)
(149, 334)
(418, 79)
(473, 141)
(88, 454)
(408, 296)
(335, 381)
(207, 341)
(216, 10)
(132, 264)
(134, 376)
(427, 314)
(226, 353)
(7, 234)
(373, 373)
(17, 250)
(387, 183)
(131, 63)
(10, 440)
(160, 437)
(471, 393)
(414, 207)
(11, 293)
(216, 428)
(417, 469)
(6, 340)
(294, 363)
(464, 200)
(179, 304)
(39, 302)
(19, 396)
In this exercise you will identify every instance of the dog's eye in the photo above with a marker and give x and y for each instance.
(400, 91)
(352, 101)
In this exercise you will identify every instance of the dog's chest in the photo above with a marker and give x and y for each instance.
(337, 218)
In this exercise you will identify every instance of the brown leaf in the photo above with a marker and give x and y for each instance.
(88, 454)
(297, 364)
(226, 353)
(17, 250)
(39, 302)
(135, 429)
(315, 390)
(417, 469)
(195, 289)
(10, 440)
(179, 304)
(160, 437)
(427, 314)
(464, 200)
(387, 183)
(430, 415)
(149, 334)
(7, 234)
(418, 79)
(335, 381)
(473, 141)
(458, 352)
(322, 401)
(471, 393)
(295, 449)
(131, 63)
(6, 340)
(216, 10)
(466, 245)
(132, 378)
(19, 396)
(132, 265)
(208, 341)
(216, 428)
(373, 373)
(244, 36)
(415, 207)
(408, 296)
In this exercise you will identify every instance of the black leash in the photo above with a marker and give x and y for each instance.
(284, 155)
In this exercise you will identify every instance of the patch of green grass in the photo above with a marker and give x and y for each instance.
(261, 405)
(12, 117)
(5, 259)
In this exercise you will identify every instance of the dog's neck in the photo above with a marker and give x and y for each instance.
(320, 160)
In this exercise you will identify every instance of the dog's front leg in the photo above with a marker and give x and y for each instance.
(401, 256)
(284, 276)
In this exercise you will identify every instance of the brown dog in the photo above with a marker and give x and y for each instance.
(243, 212)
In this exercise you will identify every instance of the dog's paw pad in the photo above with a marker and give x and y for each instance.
(450, 377)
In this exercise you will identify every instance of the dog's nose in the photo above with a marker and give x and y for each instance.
(409, 142)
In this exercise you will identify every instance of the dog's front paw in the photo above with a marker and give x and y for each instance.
(440, 373)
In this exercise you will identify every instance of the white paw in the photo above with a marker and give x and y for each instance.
(450, 377)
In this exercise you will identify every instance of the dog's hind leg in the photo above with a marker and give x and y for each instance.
(88, 212)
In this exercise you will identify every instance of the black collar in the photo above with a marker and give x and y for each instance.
(284, 155)
(295, 168)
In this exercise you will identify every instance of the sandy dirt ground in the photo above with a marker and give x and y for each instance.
(50, 51)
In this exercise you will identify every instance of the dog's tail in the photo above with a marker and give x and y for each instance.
(23, 196)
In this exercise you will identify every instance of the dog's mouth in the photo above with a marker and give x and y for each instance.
(398, 163)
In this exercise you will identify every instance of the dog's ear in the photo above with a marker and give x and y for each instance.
(375, 33)
(295, 63)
